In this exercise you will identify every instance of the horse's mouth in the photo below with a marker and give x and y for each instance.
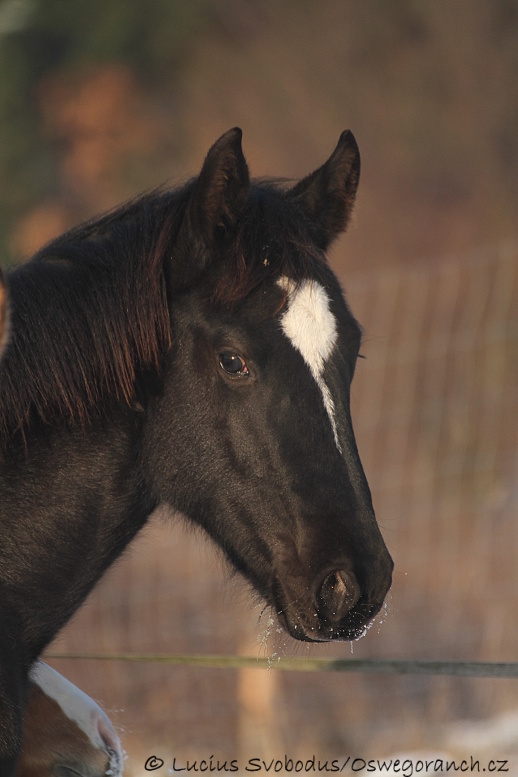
(313, 629)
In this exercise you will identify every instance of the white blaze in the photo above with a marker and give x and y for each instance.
(311, 327)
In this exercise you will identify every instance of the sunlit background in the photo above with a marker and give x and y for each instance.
(100, 100)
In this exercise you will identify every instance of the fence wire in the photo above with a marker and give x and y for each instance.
(368, 666)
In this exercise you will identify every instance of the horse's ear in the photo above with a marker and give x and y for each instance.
(216, 203)
(327, 196)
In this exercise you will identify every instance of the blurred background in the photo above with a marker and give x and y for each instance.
(100, 100)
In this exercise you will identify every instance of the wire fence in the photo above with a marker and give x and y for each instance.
(369, 666)
(437, 426)
(434, 406)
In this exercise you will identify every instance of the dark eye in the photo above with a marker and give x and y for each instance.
(233, 364)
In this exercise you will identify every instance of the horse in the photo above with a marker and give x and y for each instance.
(191, 348)
(65, 731)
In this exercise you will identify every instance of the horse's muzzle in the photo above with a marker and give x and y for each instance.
(333, 608)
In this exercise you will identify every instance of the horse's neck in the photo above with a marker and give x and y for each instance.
(74, 495)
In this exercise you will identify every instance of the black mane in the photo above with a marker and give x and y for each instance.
(88, 311)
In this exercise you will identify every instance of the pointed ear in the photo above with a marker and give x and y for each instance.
(327, 195)
(216, 203)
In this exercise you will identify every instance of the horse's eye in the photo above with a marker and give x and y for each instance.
(233, 364)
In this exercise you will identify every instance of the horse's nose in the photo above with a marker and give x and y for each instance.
(336, 595)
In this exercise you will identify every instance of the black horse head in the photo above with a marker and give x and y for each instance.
(250, 434)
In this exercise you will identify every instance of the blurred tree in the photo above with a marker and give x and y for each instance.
(39, 38)
(99, 97)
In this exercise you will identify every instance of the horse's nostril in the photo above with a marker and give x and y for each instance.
(337, 595)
